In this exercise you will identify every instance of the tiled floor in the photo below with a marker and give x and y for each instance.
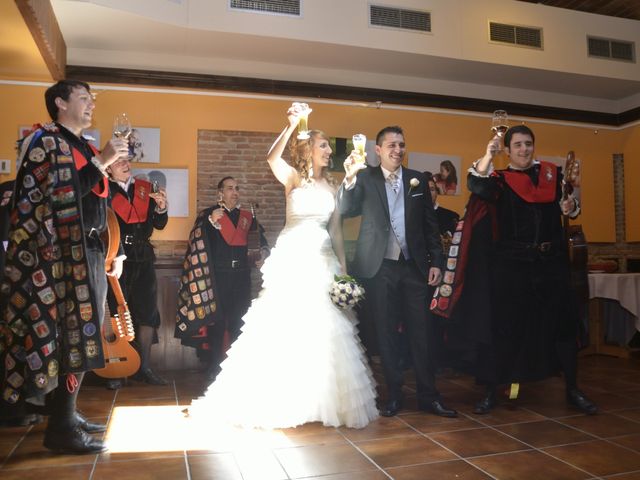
(534, 437)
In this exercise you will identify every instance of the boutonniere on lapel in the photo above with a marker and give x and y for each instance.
(413, 183)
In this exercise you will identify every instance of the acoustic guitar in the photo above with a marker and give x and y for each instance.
(121, 359)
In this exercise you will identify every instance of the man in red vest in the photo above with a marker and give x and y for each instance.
(216, 283)
(534, 320)
(54, 291)
(140, 210)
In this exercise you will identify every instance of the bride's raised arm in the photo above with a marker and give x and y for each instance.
(285, 173)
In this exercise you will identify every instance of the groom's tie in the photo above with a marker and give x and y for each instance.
(393, 181)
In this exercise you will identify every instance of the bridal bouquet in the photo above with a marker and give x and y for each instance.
(345, 292)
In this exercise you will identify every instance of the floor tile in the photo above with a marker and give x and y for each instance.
(218, 465)
(432, 423)
(471, 443)
(156, 469)
(363, 475)
(527, 465)
(629, 441)
(453, 470)
(545, 433)
(316, 460)
(383, 427)
(73, 472)
(598, 457)
(603, 425)
(408, 450)
(32, 454)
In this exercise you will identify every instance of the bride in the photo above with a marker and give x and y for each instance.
(298, 358)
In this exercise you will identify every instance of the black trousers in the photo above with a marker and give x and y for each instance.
(399, 294)
(140, 289)
(234, 297)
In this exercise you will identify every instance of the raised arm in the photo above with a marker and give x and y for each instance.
(285, 173)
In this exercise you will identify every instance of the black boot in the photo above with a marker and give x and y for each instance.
(64, 433)
(75, 441)
(488, 402)
(579, 400)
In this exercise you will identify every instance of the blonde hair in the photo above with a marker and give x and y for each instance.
(300, 151)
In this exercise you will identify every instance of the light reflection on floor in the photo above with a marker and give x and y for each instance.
(166, 428)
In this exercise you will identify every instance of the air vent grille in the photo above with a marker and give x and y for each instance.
(281, 7)
(612, 49)
(515, 35)
(400, 18)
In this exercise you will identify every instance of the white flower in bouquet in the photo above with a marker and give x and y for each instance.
(345, 291)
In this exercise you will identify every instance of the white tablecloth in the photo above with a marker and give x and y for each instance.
(623, 287)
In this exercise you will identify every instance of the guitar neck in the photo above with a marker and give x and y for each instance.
(117, 293)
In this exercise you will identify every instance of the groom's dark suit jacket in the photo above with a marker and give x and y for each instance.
(369, 199)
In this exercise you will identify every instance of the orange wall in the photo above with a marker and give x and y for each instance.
(179, 116)
(631, 151)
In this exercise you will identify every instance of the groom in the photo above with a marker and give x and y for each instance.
(399, 255)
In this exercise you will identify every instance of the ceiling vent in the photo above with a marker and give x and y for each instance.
(611, 49)
(515, 35)
(414, 20)
(278, 7)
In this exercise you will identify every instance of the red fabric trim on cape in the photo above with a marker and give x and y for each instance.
(137, 211)
(236, 236)
(101, 189)
(448, 293)
(521, 184)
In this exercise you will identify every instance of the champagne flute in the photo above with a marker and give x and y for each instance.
(359, 143)
(303, 124)
(500, 125)
(121, 126)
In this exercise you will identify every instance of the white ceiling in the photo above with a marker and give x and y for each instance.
(101, 36)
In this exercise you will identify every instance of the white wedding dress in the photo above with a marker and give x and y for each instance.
(298, 358)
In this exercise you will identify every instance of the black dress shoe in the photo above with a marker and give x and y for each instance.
(579, 400)
(75, 441)
(391, 408)
(438, 408)
(88, 426)
(149, 376)
(488, 402)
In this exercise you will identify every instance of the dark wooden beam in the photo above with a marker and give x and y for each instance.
(40, 19)
(339, 92)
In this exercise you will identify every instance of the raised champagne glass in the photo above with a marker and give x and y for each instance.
(303, 125)
(359, 143)
(121, 126)
(500, 125)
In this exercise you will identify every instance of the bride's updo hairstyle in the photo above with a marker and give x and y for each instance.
(300, 150)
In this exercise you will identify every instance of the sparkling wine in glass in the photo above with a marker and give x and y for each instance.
(121, 126)
(500, 123)
(359, 143)
(303, 125)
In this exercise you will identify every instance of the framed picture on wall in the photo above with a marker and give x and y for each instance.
(144, 145)
(175, 181)
(444, 168)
